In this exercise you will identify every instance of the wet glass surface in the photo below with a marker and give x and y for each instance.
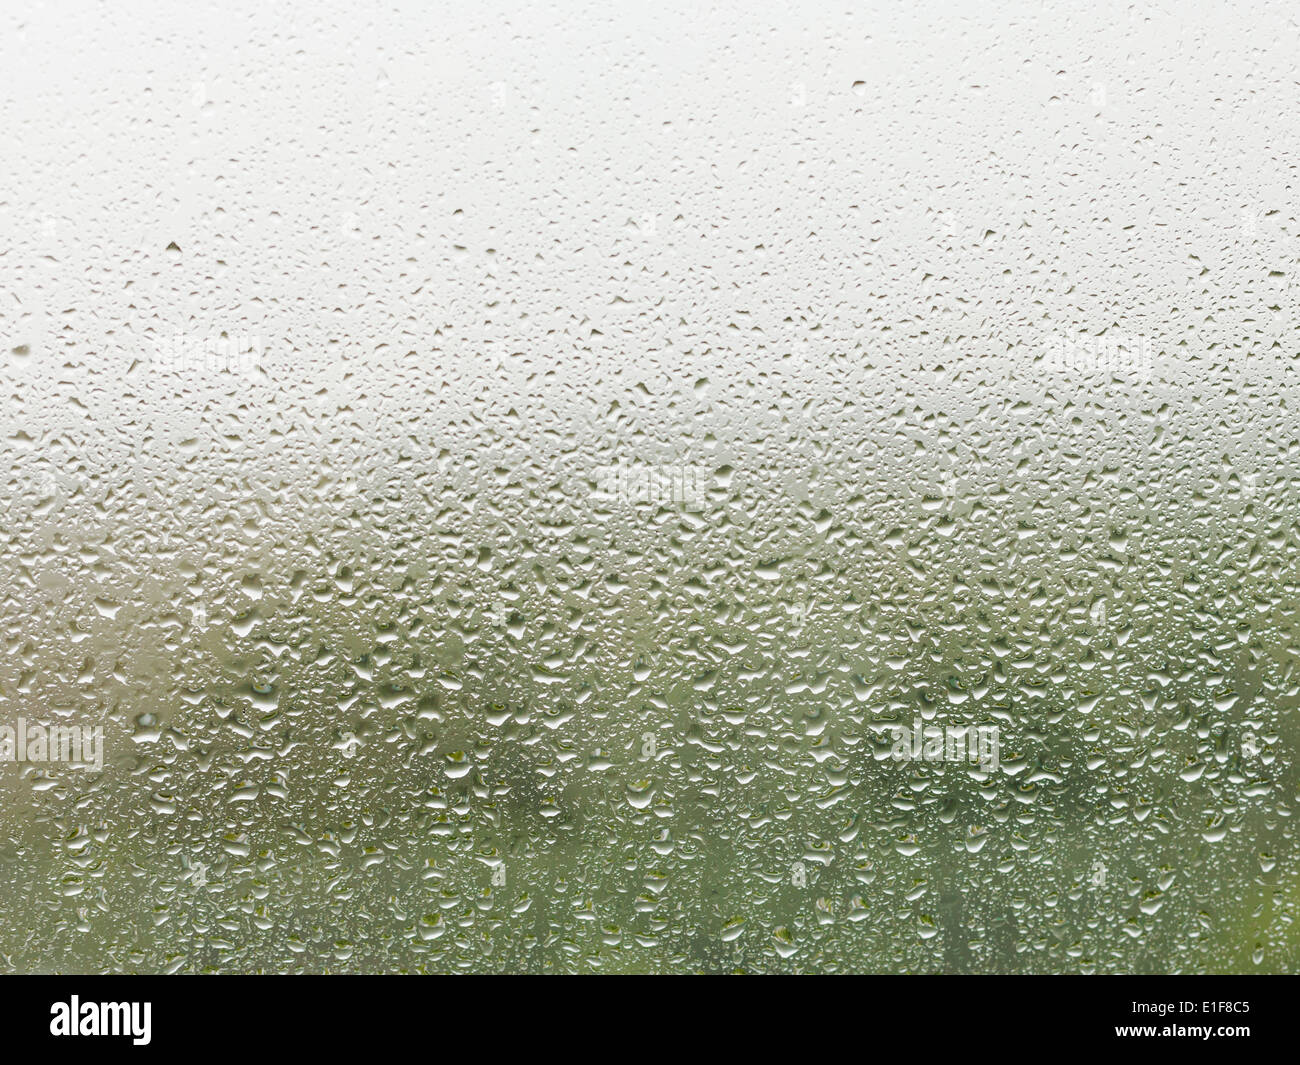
(585, 489)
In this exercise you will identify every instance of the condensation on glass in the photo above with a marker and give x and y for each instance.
(591, 489)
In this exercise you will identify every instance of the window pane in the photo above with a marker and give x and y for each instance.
(592, 489)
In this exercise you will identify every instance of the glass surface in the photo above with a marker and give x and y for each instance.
(592, 488)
